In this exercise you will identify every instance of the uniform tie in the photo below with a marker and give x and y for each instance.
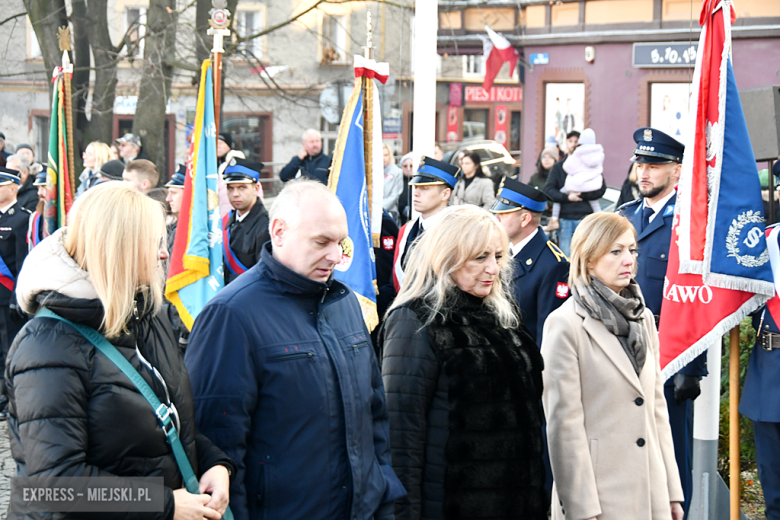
(647, 212)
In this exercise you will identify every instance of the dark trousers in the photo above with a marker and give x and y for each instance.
(9, 327)
(681, 421)
(768, 458)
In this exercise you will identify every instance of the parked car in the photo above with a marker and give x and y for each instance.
(496, 160)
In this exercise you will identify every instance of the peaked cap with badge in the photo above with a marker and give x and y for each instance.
(432, 172)
(514, 195)
(177, 179)
(242, 171)
(656, 147)
(9, 176)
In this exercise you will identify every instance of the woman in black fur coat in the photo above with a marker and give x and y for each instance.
(463, 379)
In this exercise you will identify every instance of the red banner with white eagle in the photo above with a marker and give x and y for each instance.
(718, 270)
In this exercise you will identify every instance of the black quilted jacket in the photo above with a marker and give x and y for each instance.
(463, 396)
(73, 413)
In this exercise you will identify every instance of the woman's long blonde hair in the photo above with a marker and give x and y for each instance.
(115, 233)
(102, 154)
(459, 234)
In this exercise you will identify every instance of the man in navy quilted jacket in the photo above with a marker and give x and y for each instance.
(286, 381)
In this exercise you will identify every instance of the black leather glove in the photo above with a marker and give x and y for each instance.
(686, 387)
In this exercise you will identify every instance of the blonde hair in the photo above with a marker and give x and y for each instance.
(102, 153)
(592, 239)
(115, 233)
(459, 234)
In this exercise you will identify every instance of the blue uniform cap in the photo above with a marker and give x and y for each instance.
(177, 179)
(655, 147)
(514, 196)
(40, 179)
(433, 172)
(242, 171)
(7, 176)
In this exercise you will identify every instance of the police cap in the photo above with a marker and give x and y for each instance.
(655, 147)
(8, 176)
(433, 172)
(40, 179)
(177, 179)
(514, 196)
(242, 171)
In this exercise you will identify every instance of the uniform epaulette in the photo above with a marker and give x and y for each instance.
(27, 210)
(627, 204)
(559, 254)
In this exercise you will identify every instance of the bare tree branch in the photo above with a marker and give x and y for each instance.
(13, 17)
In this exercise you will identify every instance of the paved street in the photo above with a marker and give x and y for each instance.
(7, 469)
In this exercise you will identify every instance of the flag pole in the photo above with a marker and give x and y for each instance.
(368, 119)
(219, 21)
(734, 423)
(67, 71)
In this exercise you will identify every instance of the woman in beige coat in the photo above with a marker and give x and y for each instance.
(473, 187)
(608, 430)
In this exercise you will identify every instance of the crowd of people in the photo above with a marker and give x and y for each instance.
(511, 376)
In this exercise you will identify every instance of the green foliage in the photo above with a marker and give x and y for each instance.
(747, 448)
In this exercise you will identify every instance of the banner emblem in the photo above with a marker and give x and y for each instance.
(347, 252)
(752, 239)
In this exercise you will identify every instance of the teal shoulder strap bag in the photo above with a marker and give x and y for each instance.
(161, 411)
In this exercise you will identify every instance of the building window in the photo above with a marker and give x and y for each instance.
(41, 127)
(475, 123)
(33, 49)
(248, 22)
(473, 66)
(329, 132)
(135, 29)
(334, 39)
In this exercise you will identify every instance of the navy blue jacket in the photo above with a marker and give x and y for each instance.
(286, 382)
(540, 282)
(317, 168)
(760, 397)
(653, 258)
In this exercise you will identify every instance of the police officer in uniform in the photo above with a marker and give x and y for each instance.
(761, 398)
(433, 182)
(659, 158)
(541, 277)
(245, 228)
(14, 220)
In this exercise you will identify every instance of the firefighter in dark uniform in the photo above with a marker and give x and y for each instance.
(760, 400)
(245, 228)
(14, 220)
(175, 191)
(540, 282)
(659, 158)
(36, 228)
(433, 182)
(541, 272)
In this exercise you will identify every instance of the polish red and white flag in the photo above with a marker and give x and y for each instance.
(497, 51)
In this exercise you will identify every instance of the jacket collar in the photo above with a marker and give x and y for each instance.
(611, 347)
(288, 281)
(658, 221)
(526, 258)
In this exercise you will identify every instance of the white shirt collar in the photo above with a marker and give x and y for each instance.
(240, 218)
(5, 209)
(426, 222)
(514, 249)
(658, 206)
